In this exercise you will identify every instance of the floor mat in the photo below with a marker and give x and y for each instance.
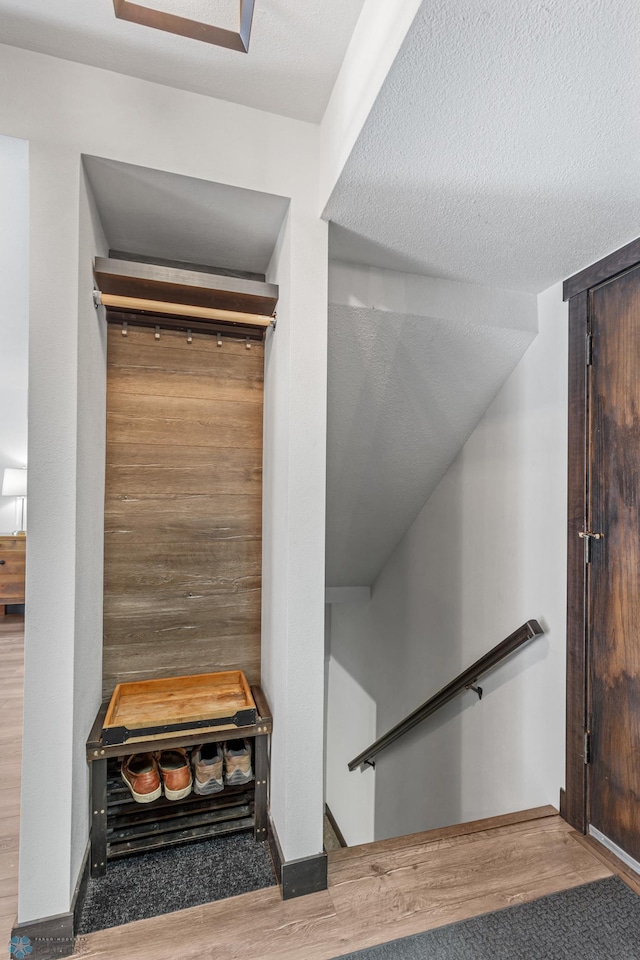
(598, 921)
(151, 884)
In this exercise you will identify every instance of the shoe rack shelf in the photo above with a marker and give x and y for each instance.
(121, 827)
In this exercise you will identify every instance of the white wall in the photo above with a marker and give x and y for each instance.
(395, 292)
(91, 438)
(14, 313)
(486, 553)
(351, 724)
(293, 534)
(64, 110)
(376, 40)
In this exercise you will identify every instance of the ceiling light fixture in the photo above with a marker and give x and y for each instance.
(194, 29)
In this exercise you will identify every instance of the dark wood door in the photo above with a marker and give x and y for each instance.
(613, 509)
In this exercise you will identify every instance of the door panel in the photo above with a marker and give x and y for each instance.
(613, 509)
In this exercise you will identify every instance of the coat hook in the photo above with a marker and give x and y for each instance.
(124, 328)
(219, 339)
(189, 337)
(157, 333)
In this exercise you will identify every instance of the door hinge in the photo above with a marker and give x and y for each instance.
(588, 536)
(587, 746)
(589, 348)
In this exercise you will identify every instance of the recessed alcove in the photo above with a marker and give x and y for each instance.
(182, 454)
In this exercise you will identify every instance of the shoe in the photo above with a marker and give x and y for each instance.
(175, 772)
(207, 769)
(140, 773)
(237, 762)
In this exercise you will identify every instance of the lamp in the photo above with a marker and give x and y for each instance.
(14, 484)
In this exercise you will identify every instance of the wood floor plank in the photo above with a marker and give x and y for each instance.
(276, 930)
(10, 773)
(6, 925)
(9, 827)
(9, 906)
(394, 858)
(610, 860)
(10, 801)
(459, 881)
(430, 836)
(8, 886)
(9, 872)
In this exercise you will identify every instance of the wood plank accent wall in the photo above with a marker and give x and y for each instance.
(183, 506)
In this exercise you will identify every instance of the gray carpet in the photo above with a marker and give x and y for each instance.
(598, 921)
(183, 876)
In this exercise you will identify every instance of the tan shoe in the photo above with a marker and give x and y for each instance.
(207, 769)
(175, 773)
(237, 762)
(141, 775)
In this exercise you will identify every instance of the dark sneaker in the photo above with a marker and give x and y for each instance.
(207, 769)
(141, 775)
(176, 773)
(237, 762)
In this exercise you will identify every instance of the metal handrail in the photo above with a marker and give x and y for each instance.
(465, 681)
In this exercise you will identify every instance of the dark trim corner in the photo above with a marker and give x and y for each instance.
(307, 875)
(334, 826)
(562, 807)
(48, 938)
(605, 269)
(296, 878)
(277, 857)
(81, 889)
(53, 937)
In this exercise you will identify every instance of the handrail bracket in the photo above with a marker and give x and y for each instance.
(476, 689)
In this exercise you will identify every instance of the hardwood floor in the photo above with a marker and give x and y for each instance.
(371, 898)
(377, 892)
(11, 680)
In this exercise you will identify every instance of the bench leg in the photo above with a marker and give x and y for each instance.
(261, 762)
(98, 818)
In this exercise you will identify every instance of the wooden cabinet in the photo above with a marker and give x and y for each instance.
(12, 567)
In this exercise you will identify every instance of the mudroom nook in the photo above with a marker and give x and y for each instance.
(182, 568)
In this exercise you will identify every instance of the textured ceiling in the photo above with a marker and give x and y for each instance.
(163, 215)
(297, 47)
(404, 394)
(503, 148)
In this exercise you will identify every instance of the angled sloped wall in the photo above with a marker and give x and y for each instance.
(486, 553)
(414, 362)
